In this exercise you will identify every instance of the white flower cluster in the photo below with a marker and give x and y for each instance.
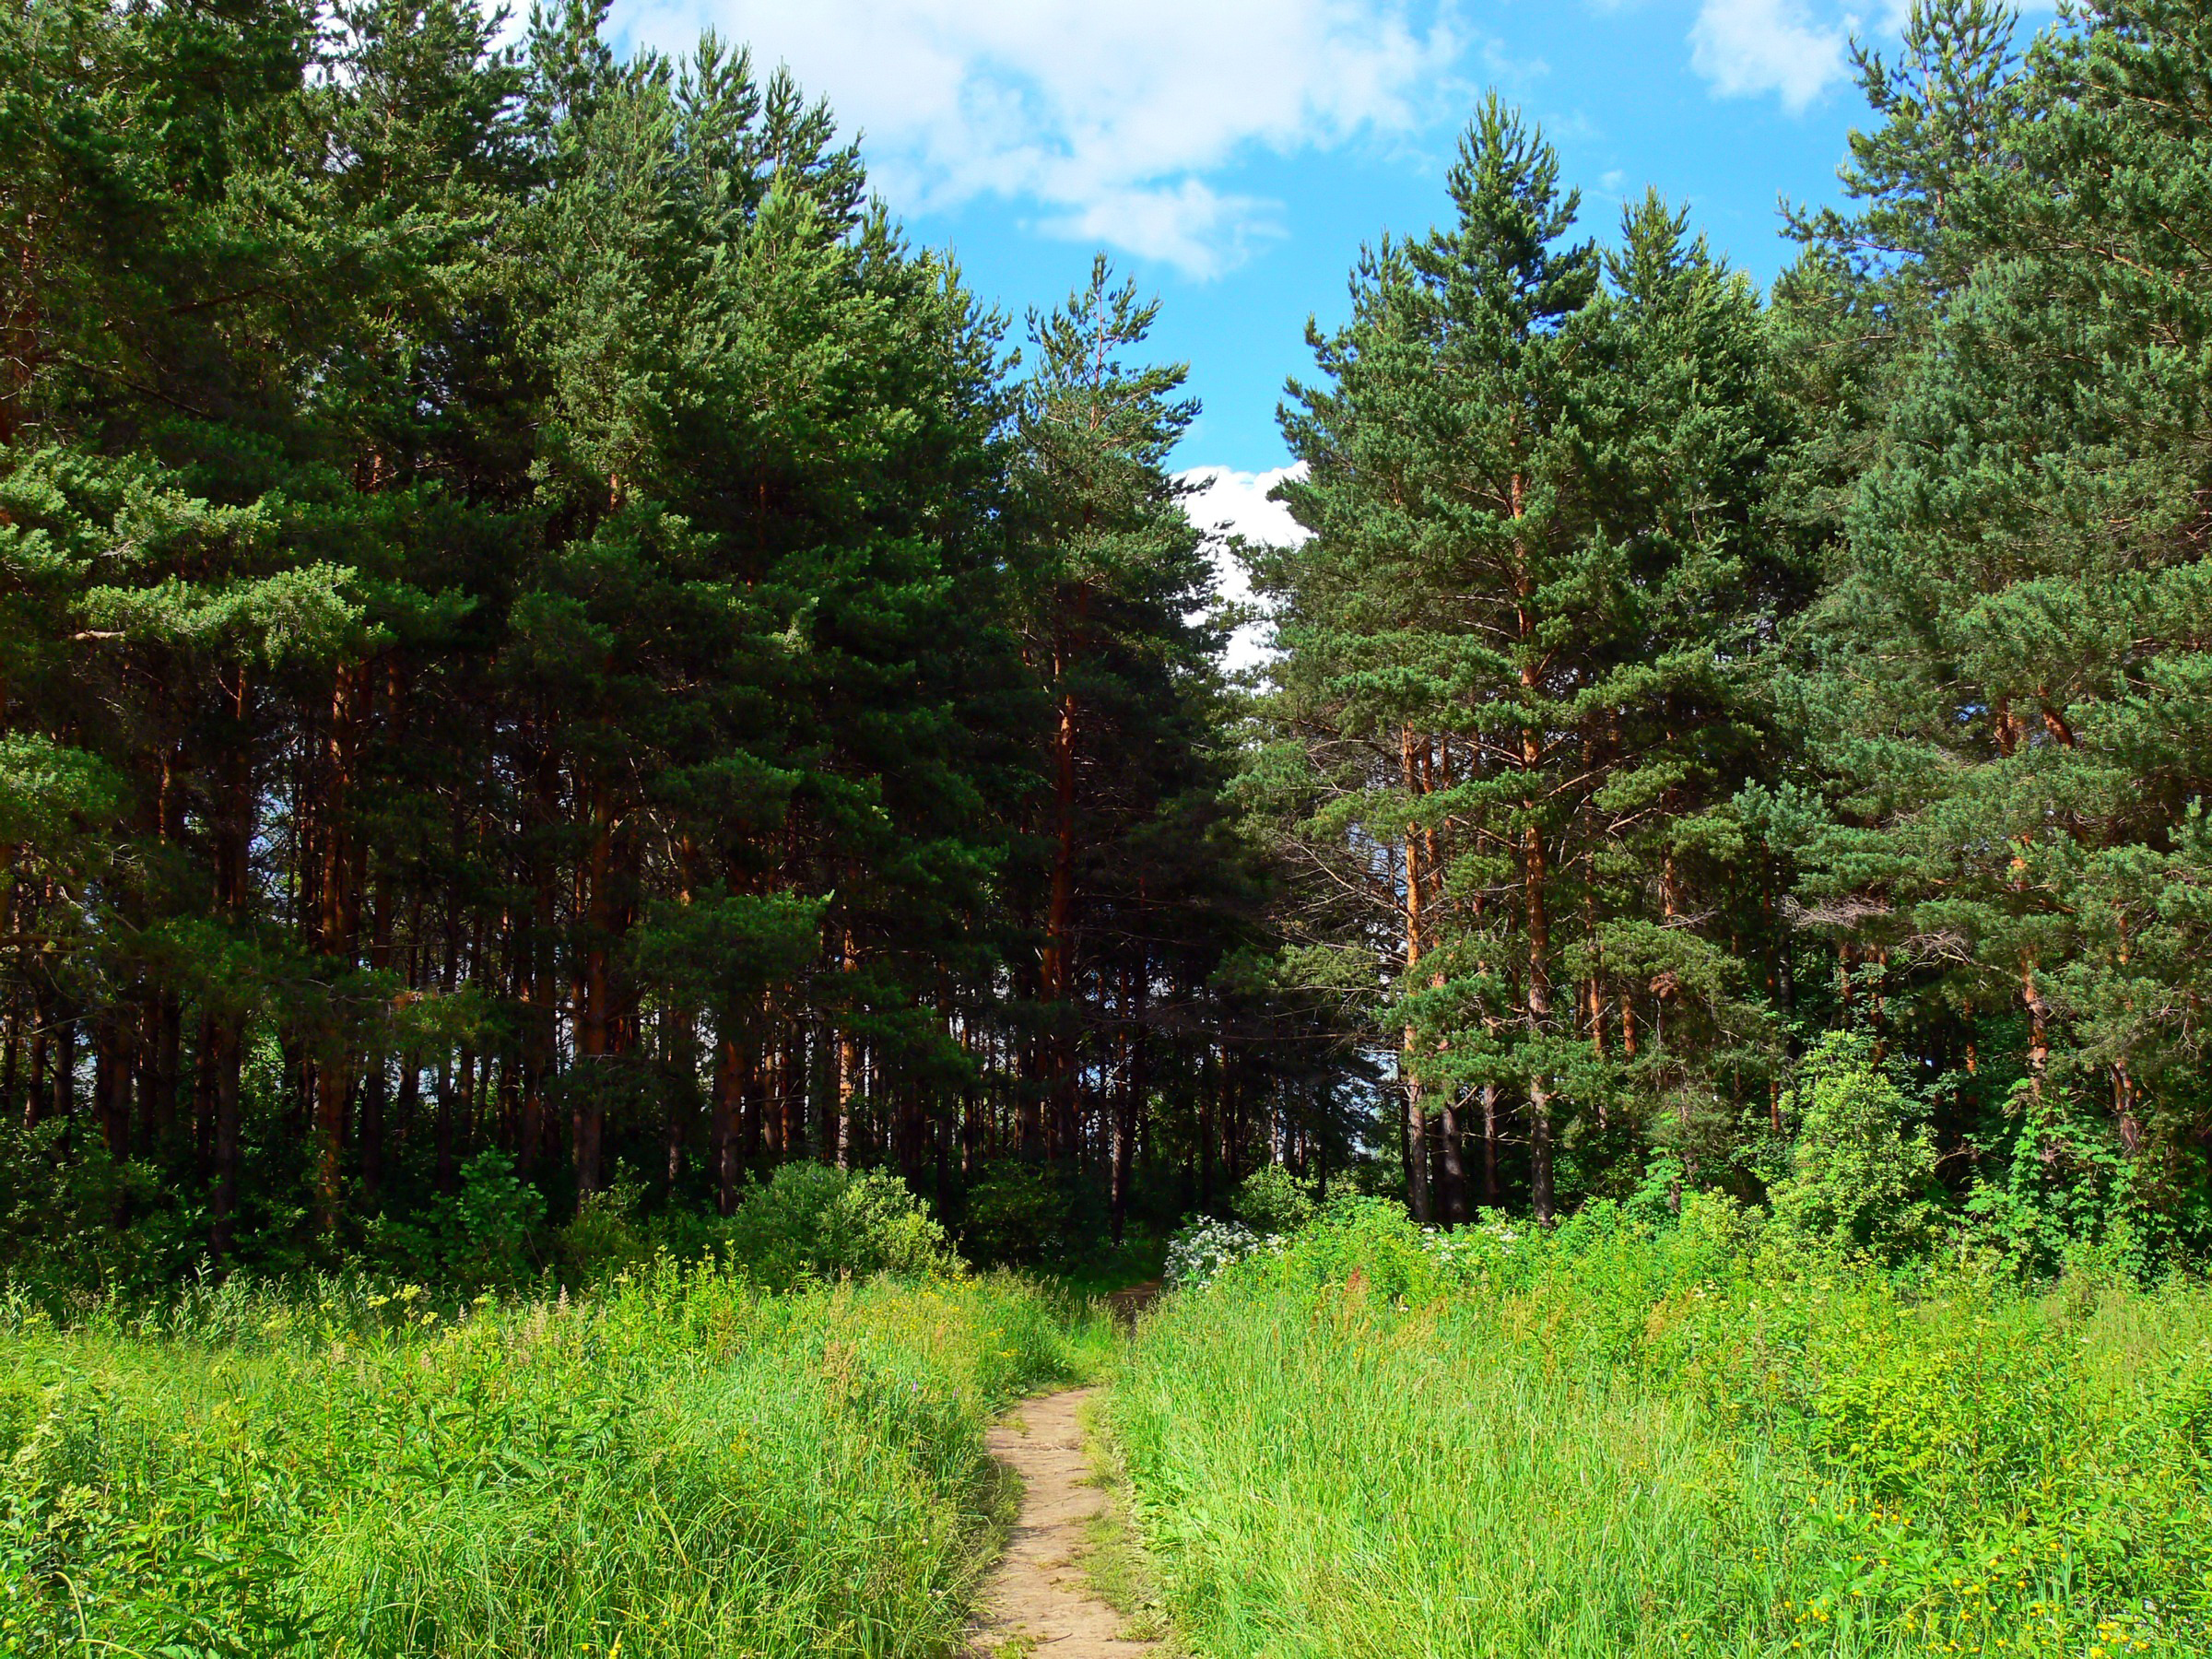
(1199, 1252)
(1466, 1252)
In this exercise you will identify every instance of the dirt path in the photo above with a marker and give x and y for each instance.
(1037, 1601)
(1127, 1304)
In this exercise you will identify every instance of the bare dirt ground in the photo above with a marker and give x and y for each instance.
(1039, 1602)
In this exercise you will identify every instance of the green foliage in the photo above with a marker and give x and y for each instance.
(606, 1235)
(809, 1221)
(488, 1236)
(2062, 1187)
(86, 1222)
(1617, 1439)
(51, 793)
(1999, 690)
(511, 563)
(1519, 656)
(1271, 1200)
(1863, 1168)
(552, 658)
(1023, 1213)
(680, 1466)
(1370, 1240)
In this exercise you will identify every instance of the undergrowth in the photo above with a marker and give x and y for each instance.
(677, 1464)
(1638, 1439)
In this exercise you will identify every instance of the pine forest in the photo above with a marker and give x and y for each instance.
(624, 809)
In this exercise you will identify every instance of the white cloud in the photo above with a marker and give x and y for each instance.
(1227, 502)
(1105, 116)
(1747, 47)
(1188, 224)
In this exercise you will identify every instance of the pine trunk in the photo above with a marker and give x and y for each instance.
(588, 1124)
(728, 1084)
(1417, 1194)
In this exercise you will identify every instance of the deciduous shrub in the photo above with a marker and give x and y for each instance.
(608, 1232)
(1271, 1201)
(1200, 1250)
(1862, 1169)
(490, 1234)
(78, 1220)
(812, 1222)
(1028, 1214)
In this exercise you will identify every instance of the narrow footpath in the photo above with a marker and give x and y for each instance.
(1038, 1602)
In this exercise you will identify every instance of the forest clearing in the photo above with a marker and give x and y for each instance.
(676, 981)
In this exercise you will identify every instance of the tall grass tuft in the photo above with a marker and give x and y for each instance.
(1638, 1440)
(679, 1465)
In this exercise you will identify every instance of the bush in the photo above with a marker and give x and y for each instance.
(1861, 1173)
(608, 1234)
(80, 1220)
(2057, 1182)
(486, 1236)
(1032, 1215)
(809, 1221)
(1271, 1201)
(1202, 1249)
(1352, 1239)
(1374, 1240)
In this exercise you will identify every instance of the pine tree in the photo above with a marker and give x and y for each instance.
(1118, 572)
(1517, 683)
(1447, 454)
(2020, 581)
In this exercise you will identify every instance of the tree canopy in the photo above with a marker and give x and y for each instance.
(544, 642)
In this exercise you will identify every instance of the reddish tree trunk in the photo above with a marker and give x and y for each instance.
(226, 1044)
(729, 1083)
(1417, 1194)
(848, 1063)
(592, 1027)
(338, 913)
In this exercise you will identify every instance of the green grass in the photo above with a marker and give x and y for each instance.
(1614, 1442)
(680, 1466)
(1117, 1567)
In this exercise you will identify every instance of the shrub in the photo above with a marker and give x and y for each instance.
(2057, 1182)
(1202, 1248)
(811, 1222)
(1271, 1201)
(496, 1217)
(1028, 1214)
(81, 1220)
(484, 1236)
(1861, 1173)
(606, 1235)
(1374, 1240)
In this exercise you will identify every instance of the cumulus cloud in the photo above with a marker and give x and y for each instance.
(1748, 47)
(1188, 225)
(1226, 502)
(1105, 117)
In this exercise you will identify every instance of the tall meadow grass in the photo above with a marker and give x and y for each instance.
(1635, 1441)
(677, 1466)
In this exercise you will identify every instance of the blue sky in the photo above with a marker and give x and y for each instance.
(1233, 155)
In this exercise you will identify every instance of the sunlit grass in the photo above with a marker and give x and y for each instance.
(678, 1466)
(1624, 1447)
